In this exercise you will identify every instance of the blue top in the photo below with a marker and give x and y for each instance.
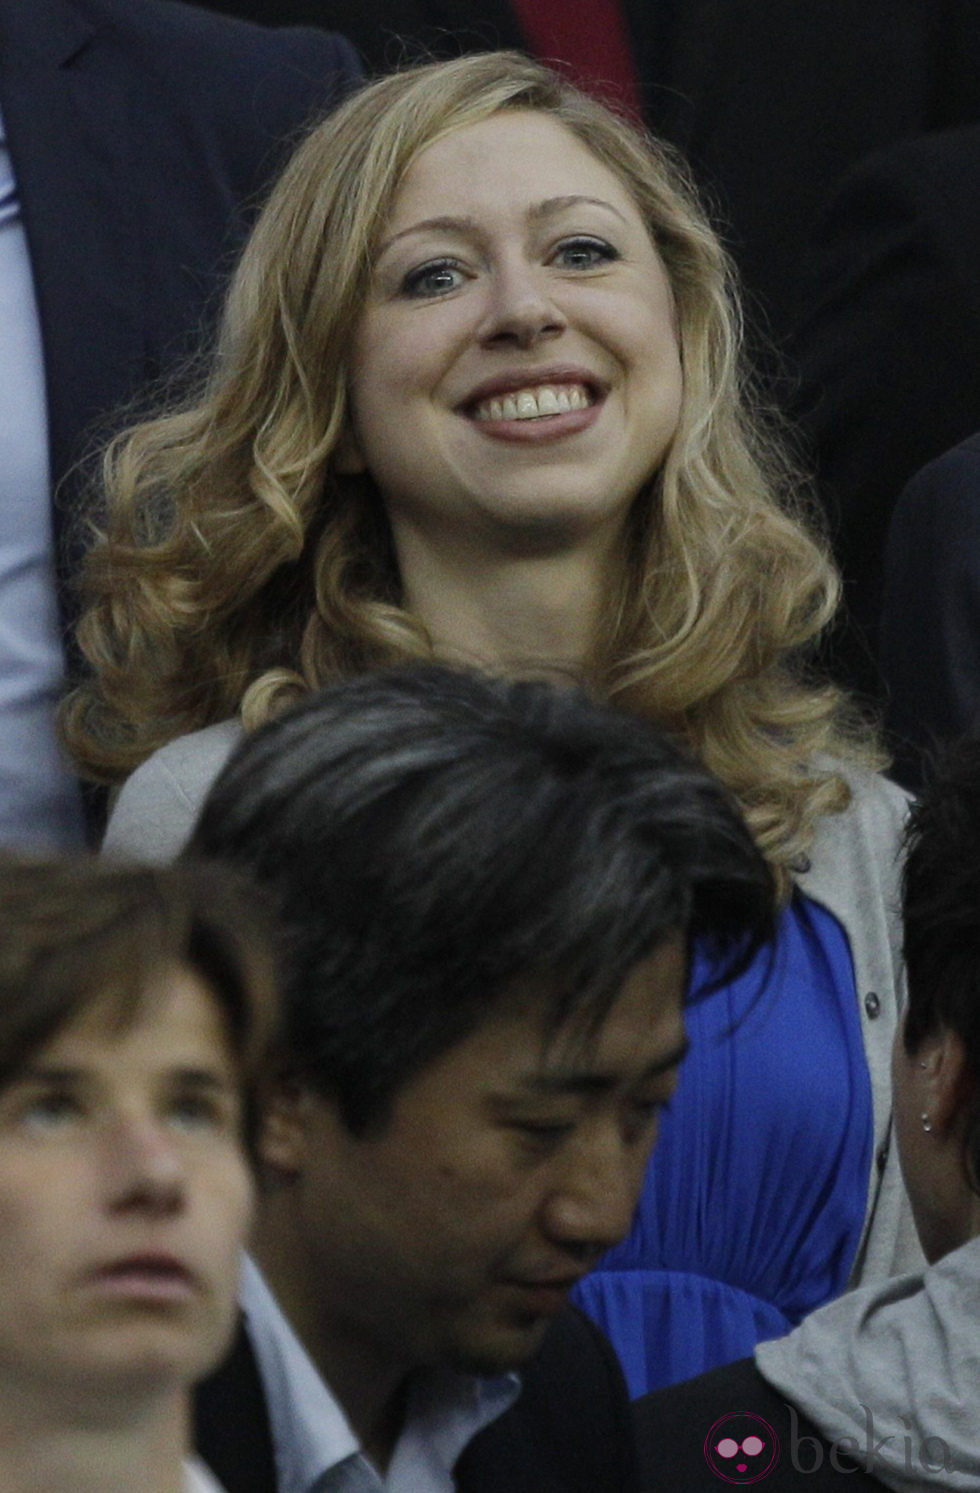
(754, 1201)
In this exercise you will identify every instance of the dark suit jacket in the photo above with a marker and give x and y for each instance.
(778, 99)
(930, 623)
(672, 1426)
(141, 132)
(771, 99)
(889, 352)
(569, 1431)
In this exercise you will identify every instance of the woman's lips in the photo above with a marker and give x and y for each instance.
(155, 1278)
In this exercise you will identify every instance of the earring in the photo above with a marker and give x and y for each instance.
(927, 1124)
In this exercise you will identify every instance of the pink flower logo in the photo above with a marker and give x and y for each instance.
(741, 1448)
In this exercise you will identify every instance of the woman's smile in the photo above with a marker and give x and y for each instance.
(517, 363)
(543, 402)
(535, 406)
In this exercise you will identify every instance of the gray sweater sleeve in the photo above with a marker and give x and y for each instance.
(157, 808)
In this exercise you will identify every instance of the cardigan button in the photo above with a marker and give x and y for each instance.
(881, 1158)
(872, 1004)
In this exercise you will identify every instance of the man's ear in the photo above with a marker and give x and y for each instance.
(283, 1127)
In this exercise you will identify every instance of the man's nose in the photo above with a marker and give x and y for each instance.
(593, 1207)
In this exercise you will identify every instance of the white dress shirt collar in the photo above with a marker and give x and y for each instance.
(313, 1442)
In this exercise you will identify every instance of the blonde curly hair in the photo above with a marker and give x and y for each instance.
(237, 569)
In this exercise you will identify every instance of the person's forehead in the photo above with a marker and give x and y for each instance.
(640, 1030)
(522, 148)
(172, 1010)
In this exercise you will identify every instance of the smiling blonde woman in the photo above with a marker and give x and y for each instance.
(477, 397)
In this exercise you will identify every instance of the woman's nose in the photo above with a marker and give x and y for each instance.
(521, 309)
(145, 1166)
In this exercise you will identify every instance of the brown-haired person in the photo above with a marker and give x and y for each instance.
(135, 1007)
(476, 398)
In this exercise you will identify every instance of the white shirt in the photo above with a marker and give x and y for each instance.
(198, 1479)
(40, 804)
(313, 1441)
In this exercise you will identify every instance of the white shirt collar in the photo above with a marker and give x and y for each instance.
(311, 1434)
(199, 1479)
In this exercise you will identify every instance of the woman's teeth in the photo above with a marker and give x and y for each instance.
(533, 404)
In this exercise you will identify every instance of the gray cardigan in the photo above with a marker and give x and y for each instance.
(855, 865)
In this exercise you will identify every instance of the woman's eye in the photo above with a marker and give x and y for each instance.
(437, 278)
(584, 253)
(50, 1111)
(198, 1112)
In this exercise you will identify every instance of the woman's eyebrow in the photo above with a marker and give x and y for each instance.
(546, 209)
(553, 205)
(426, 225)
(201, 1078)
(48, 1073)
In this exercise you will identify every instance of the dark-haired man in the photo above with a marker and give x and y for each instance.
(488, 892)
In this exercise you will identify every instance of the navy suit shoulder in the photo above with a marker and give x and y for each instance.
(142, 133)
(251, 84)
(672, 1426)
(930, 621)
(569, 1431)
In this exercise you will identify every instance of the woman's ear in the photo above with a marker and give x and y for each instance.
(283, 1128)
(948, 1082)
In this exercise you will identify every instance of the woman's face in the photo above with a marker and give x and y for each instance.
(124, 1199)
(515, 376)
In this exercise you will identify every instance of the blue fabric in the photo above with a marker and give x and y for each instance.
(754, 1202)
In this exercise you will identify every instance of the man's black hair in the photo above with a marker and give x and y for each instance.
(429, 835)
